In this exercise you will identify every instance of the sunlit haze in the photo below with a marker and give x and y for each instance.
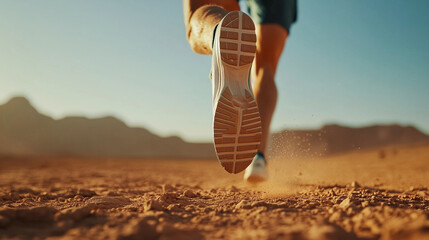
(349, 62)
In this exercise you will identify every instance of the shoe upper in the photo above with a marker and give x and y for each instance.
(256, 171)
(216, 70)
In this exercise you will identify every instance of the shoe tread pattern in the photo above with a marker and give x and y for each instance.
(237, 39)
(237, 131)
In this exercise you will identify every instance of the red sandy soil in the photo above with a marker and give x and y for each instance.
(379, 194)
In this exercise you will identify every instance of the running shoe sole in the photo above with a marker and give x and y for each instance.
(237, 124)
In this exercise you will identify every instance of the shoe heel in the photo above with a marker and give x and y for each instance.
(237, 40)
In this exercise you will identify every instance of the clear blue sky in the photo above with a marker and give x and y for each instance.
(351, 62)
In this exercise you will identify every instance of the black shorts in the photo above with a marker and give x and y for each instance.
(282, 12)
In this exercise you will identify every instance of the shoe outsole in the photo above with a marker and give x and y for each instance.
(237, 123)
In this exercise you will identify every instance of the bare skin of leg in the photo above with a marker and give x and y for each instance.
(271, 39)
(201, 16)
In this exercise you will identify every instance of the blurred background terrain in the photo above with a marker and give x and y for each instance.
(26, 132)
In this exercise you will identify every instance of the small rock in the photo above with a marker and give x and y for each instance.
(168, 197)
(331, 192)
(346, 203)
(86, 193)
(336, 216)
(348, 225)
(232, 189)
(259, 204)
(189, 208)
(107, 202)
(78, 197)
(355, 184)
(350, 211)
(174, 208)
(243, 204)
(421, 193)
(315, 211)
(189, 193)
(366, 212)
(167, 188)
(152, 205)
(365, 204)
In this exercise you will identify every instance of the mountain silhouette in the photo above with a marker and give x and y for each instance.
(24, 131)
(335, 139)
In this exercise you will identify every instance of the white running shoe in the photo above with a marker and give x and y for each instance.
(236, 121)
(257, 171)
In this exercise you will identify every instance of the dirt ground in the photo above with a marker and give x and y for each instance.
(379, 194)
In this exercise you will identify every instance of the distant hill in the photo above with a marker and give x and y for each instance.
(24, 131)
(335, 139)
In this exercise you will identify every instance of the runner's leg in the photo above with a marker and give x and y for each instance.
(271, 39)
(201, 16)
